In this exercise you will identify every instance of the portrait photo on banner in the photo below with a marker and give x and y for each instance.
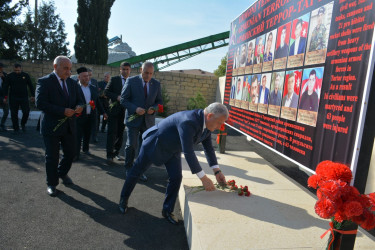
(246, 92)
(276, 89)
(269, 50)
(254, 95)
(292, 85)
(317, 43)
(250, 57)
(236, 61)
(233, 91)
(282, 46)
(258, 56)
(264, 90)
(298, 40)
(239, 88)
(310, 95)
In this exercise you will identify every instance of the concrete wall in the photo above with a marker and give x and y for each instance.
(180, 87)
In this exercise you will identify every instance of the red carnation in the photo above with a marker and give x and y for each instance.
(369, 220)
(247, 193)
(240, 192)
(324, 208)
(353, 208)
(313, 181)
(160, 108)
(92, 104)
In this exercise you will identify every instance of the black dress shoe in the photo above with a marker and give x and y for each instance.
(23, 128)
(143, 178)
(123, 205)
(52, 191)
(109, 160)
(170, 217)
(66, 180)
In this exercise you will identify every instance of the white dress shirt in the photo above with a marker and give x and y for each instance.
(87, 93)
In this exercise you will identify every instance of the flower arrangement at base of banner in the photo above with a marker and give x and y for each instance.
(230, 185)
(160, 110)
(220, 134)
(340, 202)
(61, 121)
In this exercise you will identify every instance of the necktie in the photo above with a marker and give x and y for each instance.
(204, 134)
(145, 89)
(64, 89)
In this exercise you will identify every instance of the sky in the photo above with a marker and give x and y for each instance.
(150, 25)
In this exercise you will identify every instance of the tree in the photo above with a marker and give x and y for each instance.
(197, 102)
(91, 44)
(220, 71)
(46, 38)
(11, 32)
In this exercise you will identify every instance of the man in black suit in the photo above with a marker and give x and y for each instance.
(116, 113)
(3, 98)
(298, 46)
(16, 83)
(103, 99)
(87, 118)
(57, 96)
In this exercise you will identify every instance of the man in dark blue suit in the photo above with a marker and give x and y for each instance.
(57, 96)
(116, 112)
(141, 95)
(264, 91)
(298, 46)
(164, 143)
(87, 118)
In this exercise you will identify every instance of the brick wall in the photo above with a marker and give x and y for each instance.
(180, 87)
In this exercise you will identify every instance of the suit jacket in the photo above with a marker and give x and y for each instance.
(294, 102)
(2, 88)
(178, 133)
(266, 92)
(301, 47)
(94, 97)
(112, 91)
(132, 97)
(50, 100)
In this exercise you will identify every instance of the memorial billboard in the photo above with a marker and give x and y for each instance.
(298, 77)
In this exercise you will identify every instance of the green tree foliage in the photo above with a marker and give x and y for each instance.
(220, 71)
(197, 102)
(47, 38)
(10, 29)
(91, 44)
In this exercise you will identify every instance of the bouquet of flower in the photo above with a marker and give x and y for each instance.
(160, 110)
(340, 201)
(231, 185)
(61, 121)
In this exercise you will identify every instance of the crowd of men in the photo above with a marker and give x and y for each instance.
(71, 110)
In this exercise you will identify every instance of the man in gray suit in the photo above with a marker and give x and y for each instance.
(291, 98)
(140, 96)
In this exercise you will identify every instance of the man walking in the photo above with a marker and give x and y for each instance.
(103, 99)
(116, 112)
(3, 98)
(16, 83)
(57, 96)
(164, 143)
(141, 95)
(87, 118)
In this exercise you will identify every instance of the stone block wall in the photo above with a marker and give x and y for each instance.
(180, 87)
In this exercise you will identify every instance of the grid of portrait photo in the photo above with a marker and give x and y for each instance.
(278, 73)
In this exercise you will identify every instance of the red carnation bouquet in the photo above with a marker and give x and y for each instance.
(61, 121)
(160, 110)
(340, 201)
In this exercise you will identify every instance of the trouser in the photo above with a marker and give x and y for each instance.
(54, 168)
(15, 103)
(83, 133)
(5, 107)
(115, 134)
(133, 143)
(174, 170)
(94, 125)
